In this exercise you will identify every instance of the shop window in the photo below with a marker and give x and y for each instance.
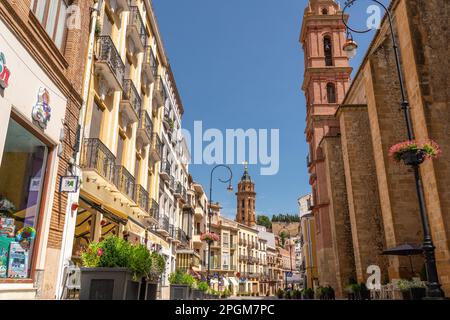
(22, 173)
(52, 15)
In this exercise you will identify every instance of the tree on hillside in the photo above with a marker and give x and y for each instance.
(285, 218)
(264, 221)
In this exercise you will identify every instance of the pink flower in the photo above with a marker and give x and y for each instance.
(100, 252)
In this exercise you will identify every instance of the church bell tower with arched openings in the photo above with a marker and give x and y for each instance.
(246, 197)
(326, 81)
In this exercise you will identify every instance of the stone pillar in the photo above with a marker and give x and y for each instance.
(362, 190)
(339, 216)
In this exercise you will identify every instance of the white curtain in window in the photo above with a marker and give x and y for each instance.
(51, 17)
(61, 25)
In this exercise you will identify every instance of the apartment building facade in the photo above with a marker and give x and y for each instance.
(40, 97)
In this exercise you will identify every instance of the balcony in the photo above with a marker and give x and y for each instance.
(182, 237)
(145, 128)
(142, 198)
(198, 212)
(172, 233)
(159, 94)
(149, 66)
(243, 257)
(163, 225)
(136, 33)
(155, 147)
(108, 66)
(154, 210)
(130, 105)
(167, 120)
(171, 183)
(164, 173)
(118, 6)
(233, 246)
(125, 182)
(98, 158)
(178, 192)
(196, 239)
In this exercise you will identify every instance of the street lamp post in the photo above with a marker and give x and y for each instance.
(210, 213)
(433, 286)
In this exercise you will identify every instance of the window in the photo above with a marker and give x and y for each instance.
(324, 11)
(52, 15)
(22, 173)
(331, 93)
(119, 150)
(327, 49)
(96, 121)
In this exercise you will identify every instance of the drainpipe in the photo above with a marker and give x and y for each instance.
(69, 225)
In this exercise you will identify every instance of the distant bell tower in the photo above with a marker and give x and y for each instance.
(246, 197)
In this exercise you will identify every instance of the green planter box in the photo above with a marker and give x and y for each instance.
(108, 284)
(180, 292)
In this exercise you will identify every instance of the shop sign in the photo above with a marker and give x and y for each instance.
(69, 184)
(41, 111)
(4, 72)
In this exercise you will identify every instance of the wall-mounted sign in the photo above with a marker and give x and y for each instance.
(68, 184)
(35, 184)
(4, 72)
(41, 111)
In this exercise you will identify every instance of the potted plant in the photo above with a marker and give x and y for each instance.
(111, 270)
(152, 275)
(209, 237)
(180, 285)
(308, 294)
(199, 290)
(411, 289)
(280, 293)
(413, 152)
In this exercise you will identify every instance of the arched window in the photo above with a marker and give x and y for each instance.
(325, 11)
(328, 51)
(331, 93)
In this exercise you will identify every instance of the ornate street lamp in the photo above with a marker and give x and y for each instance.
(210, 213)
(433, 286)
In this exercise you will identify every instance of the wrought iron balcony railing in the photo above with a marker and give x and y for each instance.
(164, 223)
(181, 236)
(125, 182)
(150, 62)
(159, 92)
(135, 21)
(97, 156)
(131, 96)
(142, 198)
(156, 146)
(166, 168)
(154, 209)
(145, 128)
(108, 55)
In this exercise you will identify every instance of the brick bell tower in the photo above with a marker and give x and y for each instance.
(326, 80)
(246, 197)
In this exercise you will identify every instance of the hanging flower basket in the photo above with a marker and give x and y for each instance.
(413, 153)
(209, 237)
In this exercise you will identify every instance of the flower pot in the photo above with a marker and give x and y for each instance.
(417, 293)
(151, 289)
(197, 294)
(180, 292)
(413, 158)
(406, 295)
(108, 284)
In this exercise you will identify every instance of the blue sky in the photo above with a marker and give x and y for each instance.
(238, 64)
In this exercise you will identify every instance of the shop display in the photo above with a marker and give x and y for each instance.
(18, 261)
(4, 253)
(7, 227)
